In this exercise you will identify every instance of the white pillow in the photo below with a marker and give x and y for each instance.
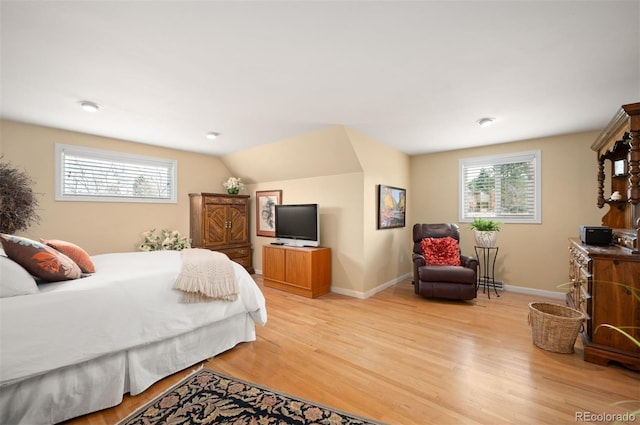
(15, 280)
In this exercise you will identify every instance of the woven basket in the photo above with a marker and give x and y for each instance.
(554, 327)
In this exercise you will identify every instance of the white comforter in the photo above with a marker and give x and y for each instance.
(128, 302)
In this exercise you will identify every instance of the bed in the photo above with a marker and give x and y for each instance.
(76, 346)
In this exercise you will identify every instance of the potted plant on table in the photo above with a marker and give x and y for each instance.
(18, 201)
(486, 231)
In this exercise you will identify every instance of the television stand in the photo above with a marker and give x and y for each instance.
(298, 270)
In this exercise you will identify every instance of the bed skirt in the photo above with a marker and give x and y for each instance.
(98, 384)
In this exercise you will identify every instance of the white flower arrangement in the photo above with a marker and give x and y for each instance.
(233, 184)
(165, 240)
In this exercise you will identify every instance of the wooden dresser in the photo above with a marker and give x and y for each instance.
(220, 222)
(606, 279)
(301, 271)
(597, 273)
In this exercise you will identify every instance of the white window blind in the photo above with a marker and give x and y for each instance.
(85, 174)
(502, 187)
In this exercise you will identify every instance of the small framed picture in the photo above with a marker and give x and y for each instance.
(266, 202)
(619, 167)
(392, 203)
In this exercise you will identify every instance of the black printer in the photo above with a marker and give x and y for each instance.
(596, 235)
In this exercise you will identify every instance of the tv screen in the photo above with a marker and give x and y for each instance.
(297, 225)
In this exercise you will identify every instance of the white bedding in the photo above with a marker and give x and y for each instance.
(129, 302)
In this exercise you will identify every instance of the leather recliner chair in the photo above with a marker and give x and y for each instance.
(442, 281)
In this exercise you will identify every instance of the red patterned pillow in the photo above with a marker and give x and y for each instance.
(441, 251)
(73, 251)
(39, 259)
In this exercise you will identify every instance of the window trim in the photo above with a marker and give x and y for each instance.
(61, 149)
(535, 155)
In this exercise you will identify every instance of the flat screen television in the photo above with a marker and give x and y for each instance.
(297, 225)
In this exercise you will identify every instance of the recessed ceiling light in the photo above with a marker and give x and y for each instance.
(485, 122)
(211, 135)
(89, 106)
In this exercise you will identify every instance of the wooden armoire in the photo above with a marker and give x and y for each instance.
(220, 222)
(606, 279)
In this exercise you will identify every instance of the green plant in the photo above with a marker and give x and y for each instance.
(485, 225)
(18, 202)
(620, 329)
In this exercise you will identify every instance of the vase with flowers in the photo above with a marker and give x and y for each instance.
(233, 185)
(164, 240)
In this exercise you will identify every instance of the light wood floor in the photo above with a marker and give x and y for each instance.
(402, 359)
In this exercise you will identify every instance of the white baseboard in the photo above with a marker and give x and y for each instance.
(538, 292)
(364, 295)
(359, 294)
(519, 289)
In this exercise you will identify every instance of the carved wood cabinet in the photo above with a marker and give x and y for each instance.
(618, 153)
(596, 273)
(606, 279)
(220, 222)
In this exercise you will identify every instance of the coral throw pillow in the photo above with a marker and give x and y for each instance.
(39, 259)
(441, 251)
(73, 251)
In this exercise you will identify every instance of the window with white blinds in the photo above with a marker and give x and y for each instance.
(505, 188)
(85, 174)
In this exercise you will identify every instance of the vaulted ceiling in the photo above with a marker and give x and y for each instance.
(414, 75)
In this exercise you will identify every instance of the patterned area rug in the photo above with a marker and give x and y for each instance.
(208, 397)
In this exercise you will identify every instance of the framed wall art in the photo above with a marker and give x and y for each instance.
(266, 201)
(392, 202)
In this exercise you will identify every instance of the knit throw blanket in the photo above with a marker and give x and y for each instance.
(205, 276)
